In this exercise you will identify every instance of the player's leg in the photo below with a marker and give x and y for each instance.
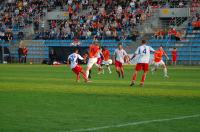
(91, 62)
(145, 68)
(118, 71)
(137, 68)
(109, 70)
(143, 78)
(77, 77)
(134, 78)
(153, 68)
(164, 69)
(117, 66)
(122, 71)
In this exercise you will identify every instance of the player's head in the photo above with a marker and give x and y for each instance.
(144, 42)
(174, 48)
(75, 50)
(96, 43)
(103, 48)
(161, 47)
(120, 45)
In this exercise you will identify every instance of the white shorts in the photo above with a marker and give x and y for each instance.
(160, 63)
(108, 62)
(91, 62)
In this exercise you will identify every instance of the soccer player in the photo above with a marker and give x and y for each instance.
(106, 61)
(158, 61)
(174, 56)
(77, 69)
(143, 53)
(119, 56)
(93, 54)
(99, 61)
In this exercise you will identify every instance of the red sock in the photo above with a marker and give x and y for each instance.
(134, 77)
(143, 78)
(84, 76)
(78, 76)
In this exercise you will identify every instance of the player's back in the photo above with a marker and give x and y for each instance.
(144, 53)
(106, 54)
(93, 52)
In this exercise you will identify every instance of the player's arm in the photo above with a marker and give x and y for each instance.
(68, 60)
(166, 55)
(135, 54)
(151, 49)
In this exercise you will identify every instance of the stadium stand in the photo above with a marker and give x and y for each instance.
(108, 21)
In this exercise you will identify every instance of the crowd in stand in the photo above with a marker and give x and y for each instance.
(111, 19)
(172, 34)
(104, 19)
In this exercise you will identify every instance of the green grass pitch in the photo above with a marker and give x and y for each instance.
(41, 98)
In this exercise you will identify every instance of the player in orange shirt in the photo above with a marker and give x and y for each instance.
(159, 62)
(93, 54)
(106, 61)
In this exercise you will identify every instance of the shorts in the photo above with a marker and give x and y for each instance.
(77, 69)
(99, 61)
(91, 62)
(174, 58)
(160, 63)
(142, 66)
(118, 64)
(108, 62)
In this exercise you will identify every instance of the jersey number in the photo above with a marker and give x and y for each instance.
(144, 51)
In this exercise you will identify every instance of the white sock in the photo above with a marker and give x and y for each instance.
(165, 71)
(109, 69)
(87, 73)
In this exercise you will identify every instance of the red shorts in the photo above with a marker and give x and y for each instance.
(118, 64)
(77, 69)
(174, 58)
(142, 66)
(99, 61)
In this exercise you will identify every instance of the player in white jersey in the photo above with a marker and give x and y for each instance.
(77, 69)
(143, 53)
(119, 56)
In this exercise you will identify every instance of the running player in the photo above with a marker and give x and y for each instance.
(119, 56)
(93, 54)
(143, 53)
(77, 69)
(106, 61)
(158, 61)
(99, 61)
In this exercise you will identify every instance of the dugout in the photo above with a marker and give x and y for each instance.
(61, 53)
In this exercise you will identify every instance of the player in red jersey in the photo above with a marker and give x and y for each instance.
(174, 56)
(93, 55)
(106, 59)
(158, 61)
(77, 69)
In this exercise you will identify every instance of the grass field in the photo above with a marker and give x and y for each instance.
(41, 98)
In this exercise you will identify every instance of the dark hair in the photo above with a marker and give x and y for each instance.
(144, 41)
(75, 49)
(120, 43)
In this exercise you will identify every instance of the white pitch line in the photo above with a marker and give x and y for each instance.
(134, 123)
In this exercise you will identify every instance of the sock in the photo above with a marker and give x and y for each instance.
(165, 71)
(109, 69)
(134, 77)
(78, 76)
(143, 78)
(118, 73)
(122, 72)
(87, 73)
(84, 76)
